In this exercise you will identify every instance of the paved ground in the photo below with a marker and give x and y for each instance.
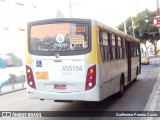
(153, 103)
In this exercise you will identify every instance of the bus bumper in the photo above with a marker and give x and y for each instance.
(90, 95)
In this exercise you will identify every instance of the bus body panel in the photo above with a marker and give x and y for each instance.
(70, 71)
(64, 74)
(92, 95)
(64, 77)
(135, 67)
(111, 74)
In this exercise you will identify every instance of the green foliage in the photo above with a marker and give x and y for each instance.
(143, 21)
(158, 51)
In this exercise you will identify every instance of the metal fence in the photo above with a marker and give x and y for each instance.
(14, 83)
(12, 76)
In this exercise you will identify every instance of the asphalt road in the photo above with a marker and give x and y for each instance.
(135, 98)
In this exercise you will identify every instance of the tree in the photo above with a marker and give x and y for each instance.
(154, 39)
(143, 21)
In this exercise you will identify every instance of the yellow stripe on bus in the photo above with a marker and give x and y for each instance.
(28, 58)
(94, 56)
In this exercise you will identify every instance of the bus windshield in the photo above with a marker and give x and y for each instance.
(58, 37)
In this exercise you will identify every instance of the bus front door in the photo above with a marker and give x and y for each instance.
(129, 60)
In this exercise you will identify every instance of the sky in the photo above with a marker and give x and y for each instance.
(110, 12)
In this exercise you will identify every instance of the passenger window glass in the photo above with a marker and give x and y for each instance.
(105, 38)
(119, 41)
(113, 40)
(104, 44)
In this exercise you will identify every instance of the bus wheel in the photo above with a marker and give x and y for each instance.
(121, 91)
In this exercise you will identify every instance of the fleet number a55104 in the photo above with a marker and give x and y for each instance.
(72, 68)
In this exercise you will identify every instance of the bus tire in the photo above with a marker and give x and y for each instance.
(121, 91)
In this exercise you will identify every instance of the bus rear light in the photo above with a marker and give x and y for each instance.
(30, 83)
(30, 78)
(28, 70)
(91, 71)
(91, 78)
(90, 84)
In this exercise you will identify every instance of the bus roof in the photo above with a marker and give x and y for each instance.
(94, 22)
(112, 30)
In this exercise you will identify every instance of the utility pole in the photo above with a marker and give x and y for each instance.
(157, 4)
(132, 26)
(125, 30)
(71, 5)
(70, 8)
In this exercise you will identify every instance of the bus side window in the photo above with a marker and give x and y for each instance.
(133, 48)
(126, 45)
(101, 45)
(116, 47)
(137, 50)
(113, 46)
(123, 48)
(119, 47)
(104, 46)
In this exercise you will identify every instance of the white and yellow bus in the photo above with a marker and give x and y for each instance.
(70, 59)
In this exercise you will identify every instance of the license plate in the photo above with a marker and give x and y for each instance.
(42, 75)
(59, 87)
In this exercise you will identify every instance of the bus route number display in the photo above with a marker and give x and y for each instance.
(78, 28)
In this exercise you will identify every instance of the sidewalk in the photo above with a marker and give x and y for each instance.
(12, 88)
(153, 103)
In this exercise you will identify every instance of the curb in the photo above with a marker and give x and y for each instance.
(153, 98)
(11, 91)
(151, 57)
